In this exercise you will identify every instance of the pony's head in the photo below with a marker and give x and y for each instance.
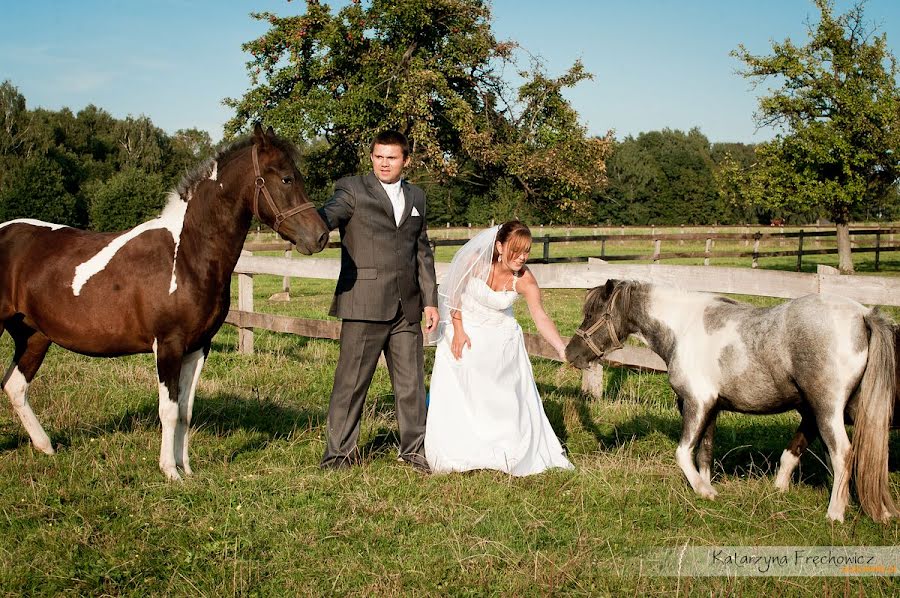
(604, 326)
(279, 196)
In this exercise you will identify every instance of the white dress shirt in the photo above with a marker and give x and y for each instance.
(395, 194)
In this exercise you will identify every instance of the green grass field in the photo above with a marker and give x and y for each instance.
(259, 518)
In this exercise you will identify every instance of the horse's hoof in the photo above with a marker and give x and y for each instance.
(708, 493)
(171, 474)
(46, 449)
(835, 517)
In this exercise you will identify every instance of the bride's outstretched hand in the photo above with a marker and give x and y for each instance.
(460, 339)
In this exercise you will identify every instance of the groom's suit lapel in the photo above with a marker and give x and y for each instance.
(376, 190)
(408, 202)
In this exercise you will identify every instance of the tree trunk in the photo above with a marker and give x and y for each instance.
(845, 258)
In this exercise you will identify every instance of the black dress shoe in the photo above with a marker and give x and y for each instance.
(418, 462)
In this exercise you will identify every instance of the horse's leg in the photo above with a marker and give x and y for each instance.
(704, 453)
(695, 418)
(191, 366)
(806, 433)
(31, 347)
(168, 371)
(834, 435)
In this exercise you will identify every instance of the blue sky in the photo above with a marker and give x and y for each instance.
(657, 64)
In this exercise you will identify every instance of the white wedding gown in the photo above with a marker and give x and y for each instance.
(484, 410)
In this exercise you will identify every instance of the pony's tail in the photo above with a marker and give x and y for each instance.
(872, 420)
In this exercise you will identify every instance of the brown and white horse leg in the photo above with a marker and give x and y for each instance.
(168, 372)
(806, 433)
(31, 347)
(191, 366)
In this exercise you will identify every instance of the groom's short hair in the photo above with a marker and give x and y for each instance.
(391, 137)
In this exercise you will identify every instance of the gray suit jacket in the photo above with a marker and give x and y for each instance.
(382, 264)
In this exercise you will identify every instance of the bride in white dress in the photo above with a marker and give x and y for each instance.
(484, 409)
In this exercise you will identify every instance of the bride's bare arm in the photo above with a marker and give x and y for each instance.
(460, 338)
(528, 287)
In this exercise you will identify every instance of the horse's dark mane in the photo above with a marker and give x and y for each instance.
(204, 170)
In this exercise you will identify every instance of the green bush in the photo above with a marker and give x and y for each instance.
(125, 200)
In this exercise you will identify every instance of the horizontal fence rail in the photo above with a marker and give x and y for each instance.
(541, 245)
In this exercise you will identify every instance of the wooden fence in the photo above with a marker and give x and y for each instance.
(882, 239)
(876, 290)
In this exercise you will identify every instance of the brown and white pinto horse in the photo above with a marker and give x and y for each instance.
(163, 286)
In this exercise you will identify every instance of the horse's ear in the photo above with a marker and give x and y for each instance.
(270, 132)
(259, 136)
(610, 285)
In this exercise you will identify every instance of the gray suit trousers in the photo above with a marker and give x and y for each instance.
(362, 342)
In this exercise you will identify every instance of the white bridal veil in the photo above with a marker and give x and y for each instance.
(472, 261)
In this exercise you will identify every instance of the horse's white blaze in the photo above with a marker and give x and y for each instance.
(214, 175)
(171, 219)
(16, 388)
(33, 222)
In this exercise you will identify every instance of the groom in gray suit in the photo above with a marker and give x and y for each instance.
(387, 280)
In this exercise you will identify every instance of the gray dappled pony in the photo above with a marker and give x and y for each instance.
(820, 354)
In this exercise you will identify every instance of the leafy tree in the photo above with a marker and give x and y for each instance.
(839, 112)
(427, 68)
(130, 197)
(188, 148)
(36, 189)
(140, 144)
(661, 177)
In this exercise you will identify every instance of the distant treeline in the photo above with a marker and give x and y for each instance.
(91, 170)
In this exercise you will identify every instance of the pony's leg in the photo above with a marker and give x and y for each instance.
(834, 435)
(191, 366)
(704, 453)
(168, 371)
(695, 417)
(31, 347)
(806, 433)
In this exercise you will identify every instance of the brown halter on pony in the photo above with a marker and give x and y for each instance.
(280, 216)
(603, 320)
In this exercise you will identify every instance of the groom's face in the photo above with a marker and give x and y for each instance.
(388, 162)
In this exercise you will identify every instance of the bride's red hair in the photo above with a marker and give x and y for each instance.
(516, 236)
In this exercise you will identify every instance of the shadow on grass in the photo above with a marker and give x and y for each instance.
(220, 414)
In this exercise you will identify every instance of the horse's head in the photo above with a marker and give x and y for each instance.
(279, 195)
(604, 324)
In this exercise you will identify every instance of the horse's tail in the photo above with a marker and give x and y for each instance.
(872, 420)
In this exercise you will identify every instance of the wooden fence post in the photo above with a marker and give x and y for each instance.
(656, 245)
(546, 248)
(592, 381)
(245, 303)
(286, 283)
(877, 249)
(756, 238)
(708, 248)
(800, 251)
